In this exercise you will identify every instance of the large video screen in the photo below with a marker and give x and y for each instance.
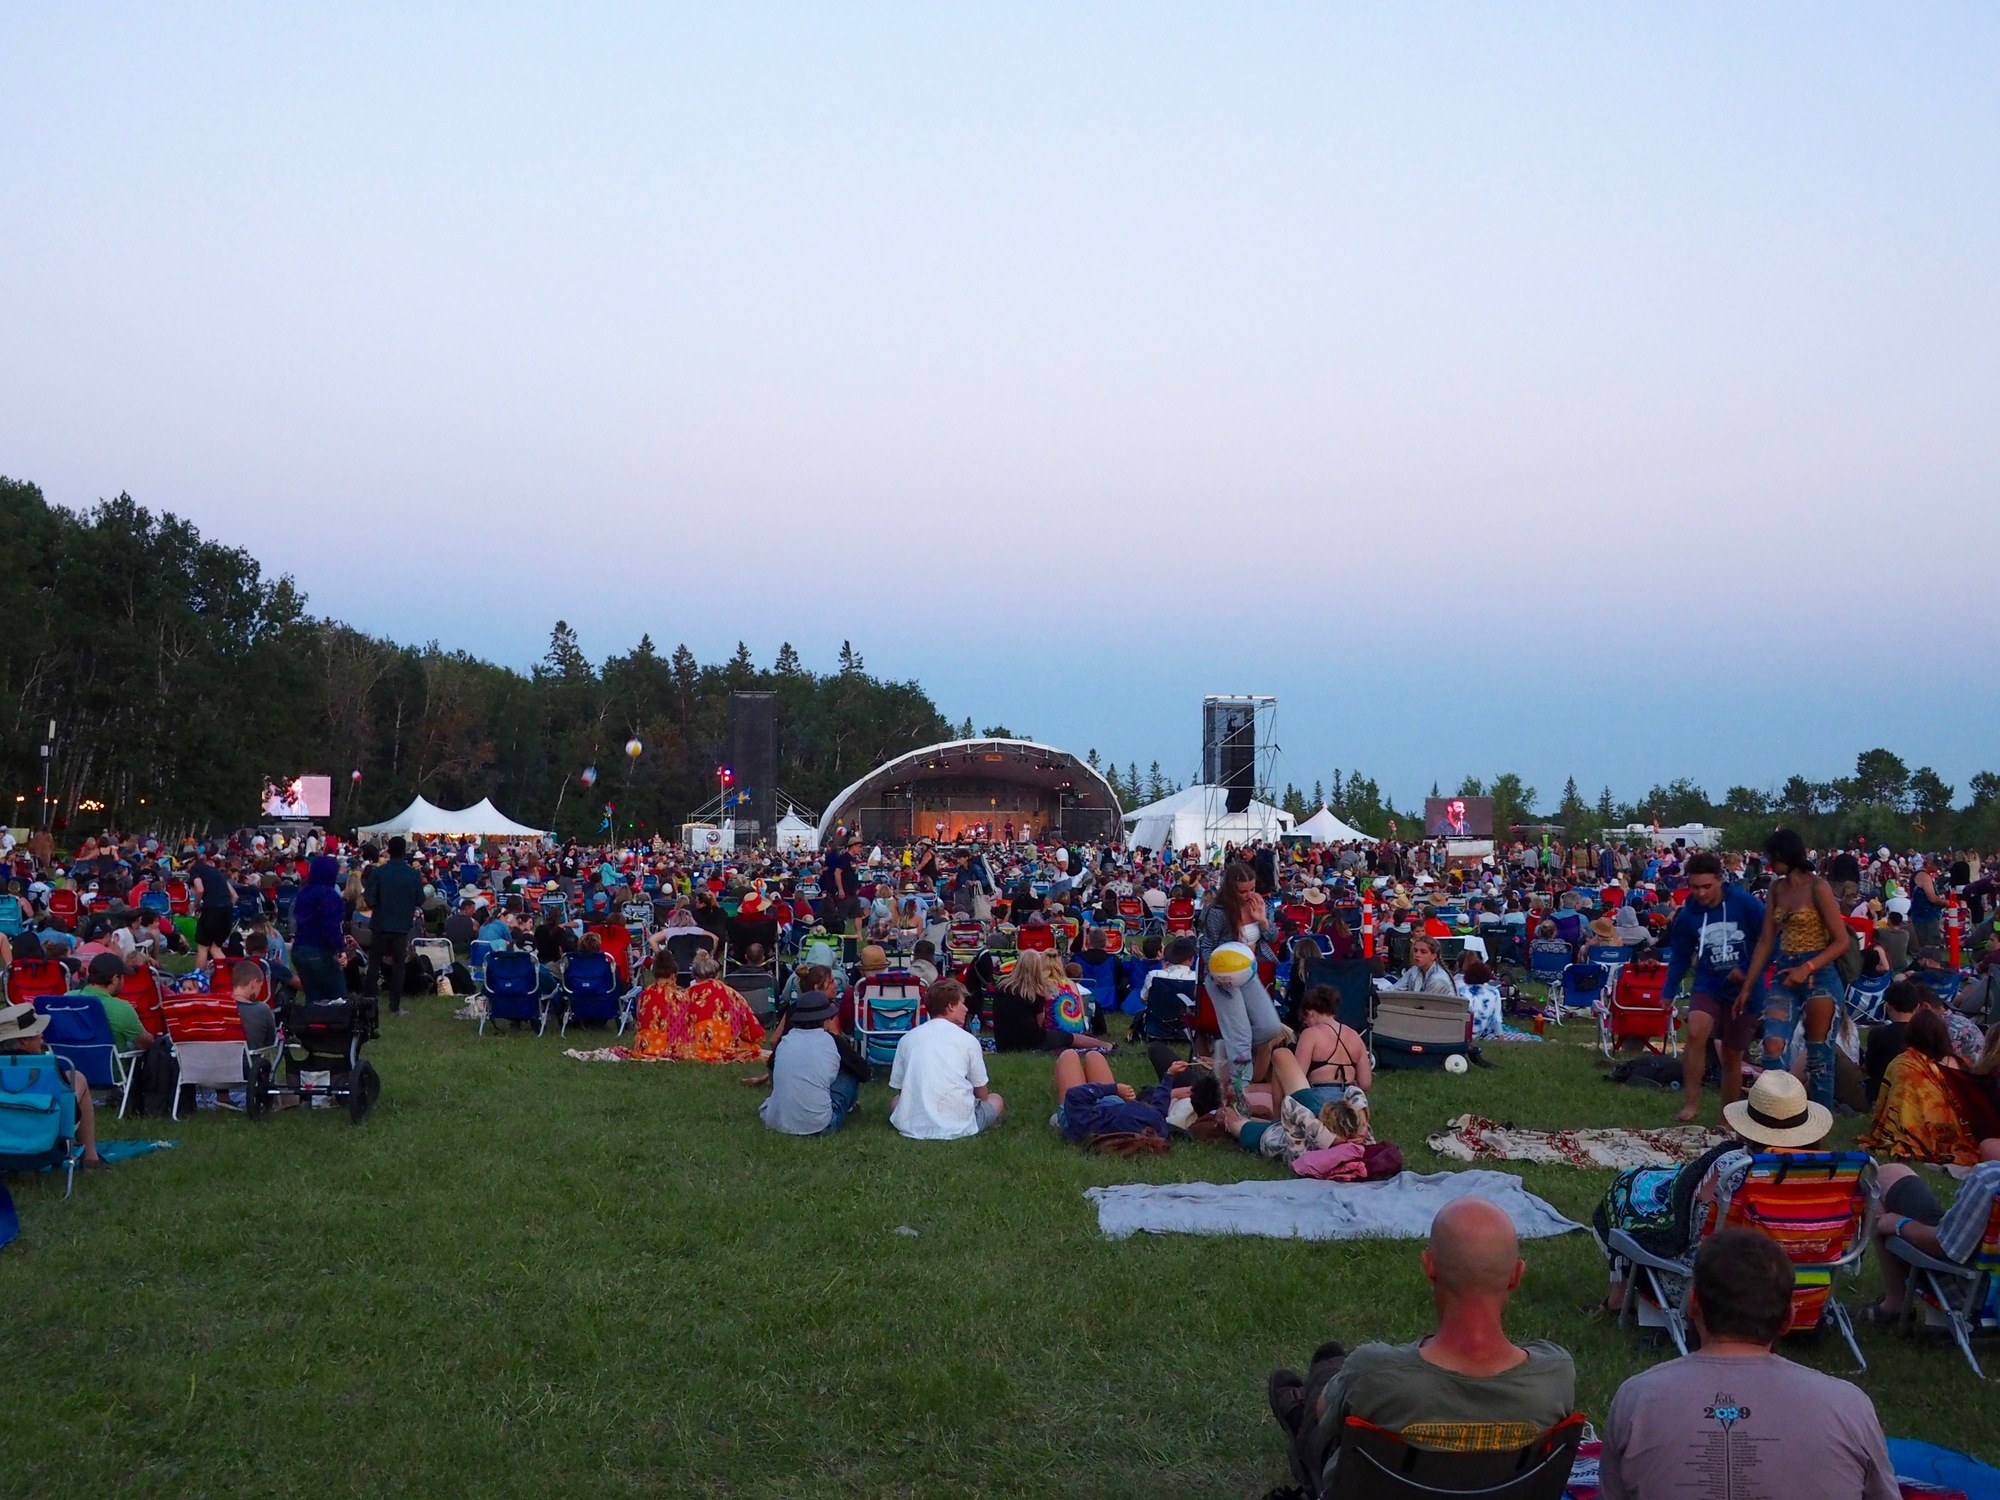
(300, 797)
(1458, 817)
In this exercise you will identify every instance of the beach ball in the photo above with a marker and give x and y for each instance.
(355, 776)
(589, 776)
(1456, 1063)
(632, 748)
(1231, 964)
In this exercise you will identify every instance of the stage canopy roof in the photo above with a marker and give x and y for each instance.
(1020, 762)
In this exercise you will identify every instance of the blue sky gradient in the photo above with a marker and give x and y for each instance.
(1564, 389)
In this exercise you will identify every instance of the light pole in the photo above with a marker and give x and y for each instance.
(48, 748)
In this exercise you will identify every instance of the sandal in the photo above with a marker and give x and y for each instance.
(1875, 1315)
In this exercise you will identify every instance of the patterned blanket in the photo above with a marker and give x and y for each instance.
(1470, 1138)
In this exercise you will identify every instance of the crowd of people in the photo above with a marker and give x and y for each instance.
(1212, 967)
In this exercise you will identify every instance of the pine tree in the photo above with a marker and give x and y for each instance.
(1155, 786)
(1091, 759)
(1132, 779)
(965, 730)
(851, 664)
(1319, 796)
(787, 664)
(1606, 810)
(565, 658)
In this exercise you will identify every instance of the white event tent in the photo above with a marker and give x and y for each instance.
(482, 821)
(794, 833)
(1199, 816)
(1324, 828)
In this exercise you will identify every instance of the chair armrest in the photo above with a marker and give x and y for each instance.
(1904, 1251)
(1625, 1247)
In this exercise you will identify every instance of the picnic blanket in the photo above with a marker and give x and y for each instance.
(1399, 1209)
(1472, 1138)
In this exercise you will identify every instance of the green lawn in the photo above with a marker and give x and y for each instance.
(526, 1275)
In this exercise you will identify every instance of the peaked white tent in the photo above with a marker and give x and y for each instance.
(482, 820)
(1324, 828)
(1199, 816)
(421, 816)
(794, 833)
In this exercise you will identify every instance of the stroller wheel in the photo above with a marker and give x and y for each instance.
(257, 1096)
(363, 1089)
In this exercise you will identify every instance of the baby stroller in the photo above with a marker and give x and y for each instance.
(322, 1044)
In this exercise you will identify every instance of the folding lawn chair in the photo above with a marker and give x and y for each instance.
(1865, 1000)
(32, 978)
(210, 1048)
(1965, 1299)
(681, 947)
(512, 985)
(1638, 1010)
(1578, 990)
(886, 1006)
(1492, 1460)
(1818, 1205)
(756, 986)
(37, 1117)
(591, 991)
(79, 1033)
(140, 989)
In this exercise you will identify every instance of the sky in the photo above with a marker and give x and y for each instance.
(1573, 390)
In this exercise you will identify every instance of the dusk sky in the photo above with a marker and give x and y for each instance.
(1573, 390)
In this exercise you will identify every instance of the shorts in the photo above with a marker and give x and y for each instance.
(213, 926)
(1735, 1026)
(985, 1114)
(1912, 1198)
(1320, 1095)
(1785, 1005)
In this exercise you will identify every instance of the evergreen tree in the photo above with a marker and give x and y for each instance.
(787, 664)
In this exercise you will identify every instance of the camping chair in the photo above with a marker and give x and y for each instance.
(37, 1117)
(1639, 1010)
(1101, 980)
(140, 989)
(1451, 949)
(1180, 918)
(1964, 1298)
(211, 1049)
(1132, 974)
(1547, 965)
(180, 899)
(1487, 1459)
(1114, 937)
(80, 1035)
(1035, 939)
(438, 951)
(1611, 957)
(1865, 999)
(617, 940)
(1132, 912)
(1578, 989)
(1353, 979)
(681, 947)
(1168, 1008)
(512, 984)
(756, 986)
(1944, 983)
(65, 906)
(886, 1007)
(1820, 1208)
(12, 922)
(964, 942)
(32, 978)
(592, 991)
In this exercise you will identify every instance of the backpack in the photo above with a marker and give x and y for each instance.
(1848, 965)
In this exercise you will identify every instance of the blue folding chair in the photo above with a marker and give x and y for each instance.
(1579, 990)
(80, 1035)
(1136, 970)
(1944, 983)
(1547, 965)
(480, 951)
(887, 1007)
(37, 1117)
(513, 990)
(1865, 999)
(1101, 979)
(591, 991)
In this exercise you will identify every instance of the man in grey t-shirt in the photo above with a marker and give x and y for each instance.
(1735, 1419)
(815, 1078)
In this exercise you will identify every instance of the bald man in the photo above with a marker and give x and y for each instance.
(1468, 1372)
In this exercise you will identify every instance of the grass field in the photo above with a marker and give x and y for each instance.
(526, 1275)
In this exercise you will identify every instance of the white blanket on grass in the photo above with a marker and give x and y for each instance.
(1299, 1209)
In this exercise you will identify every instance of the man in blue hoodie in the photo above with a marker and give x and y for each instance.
(1711, 938)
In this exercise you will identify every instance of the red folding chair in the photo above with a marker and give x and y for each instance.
(65, 906)
(1180, 918)
(29, 979)
(617, 941)
(1035, 939)
(1639, 1010)
(141, 990)
(179, 898)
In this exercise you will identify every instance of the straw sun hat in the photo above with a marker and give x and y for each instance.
(1778, 1113)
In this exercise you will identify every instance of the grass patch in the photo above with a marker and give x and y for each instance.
(526, 1275)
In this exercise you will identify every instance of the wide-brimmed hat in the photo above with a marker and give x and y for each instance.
(21, 1020)
(1778, 1113)
(1314, 896)
(813, 1007)
(1605, 928)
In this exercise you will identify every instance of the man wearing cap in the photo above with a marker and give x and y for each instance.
(816, 1072)
(21, 1028)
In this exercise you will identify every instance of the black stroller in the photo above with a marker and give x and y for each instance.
(323, 1041)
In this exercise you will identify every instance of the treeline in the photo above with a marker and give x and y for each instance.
(180, 677)
(1883, 802)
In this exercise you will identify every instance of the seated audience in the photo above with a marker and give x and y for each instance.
(1735, 1418)
(1305, 1118)
(127, 1030)
(1885, 1043)
(708, 1022)
(1330, 1054)
(1024, 1007)
(260, 1022)
(1466, 1383)
(1426, 974)
(816, 1072)
(938, 1087)
(1930, 1108)
(1911, 1212)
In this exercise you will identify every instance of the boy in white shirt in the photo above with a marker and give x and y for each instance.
(937, 1084)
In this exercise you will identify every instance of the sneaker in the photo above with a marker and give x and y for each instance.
(1285, 1391)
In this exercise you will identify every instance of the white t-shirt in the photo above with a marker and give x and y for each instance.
(937, 1067)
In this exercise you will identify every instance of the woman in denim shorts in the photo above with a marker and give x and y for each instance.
(1803, 937)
